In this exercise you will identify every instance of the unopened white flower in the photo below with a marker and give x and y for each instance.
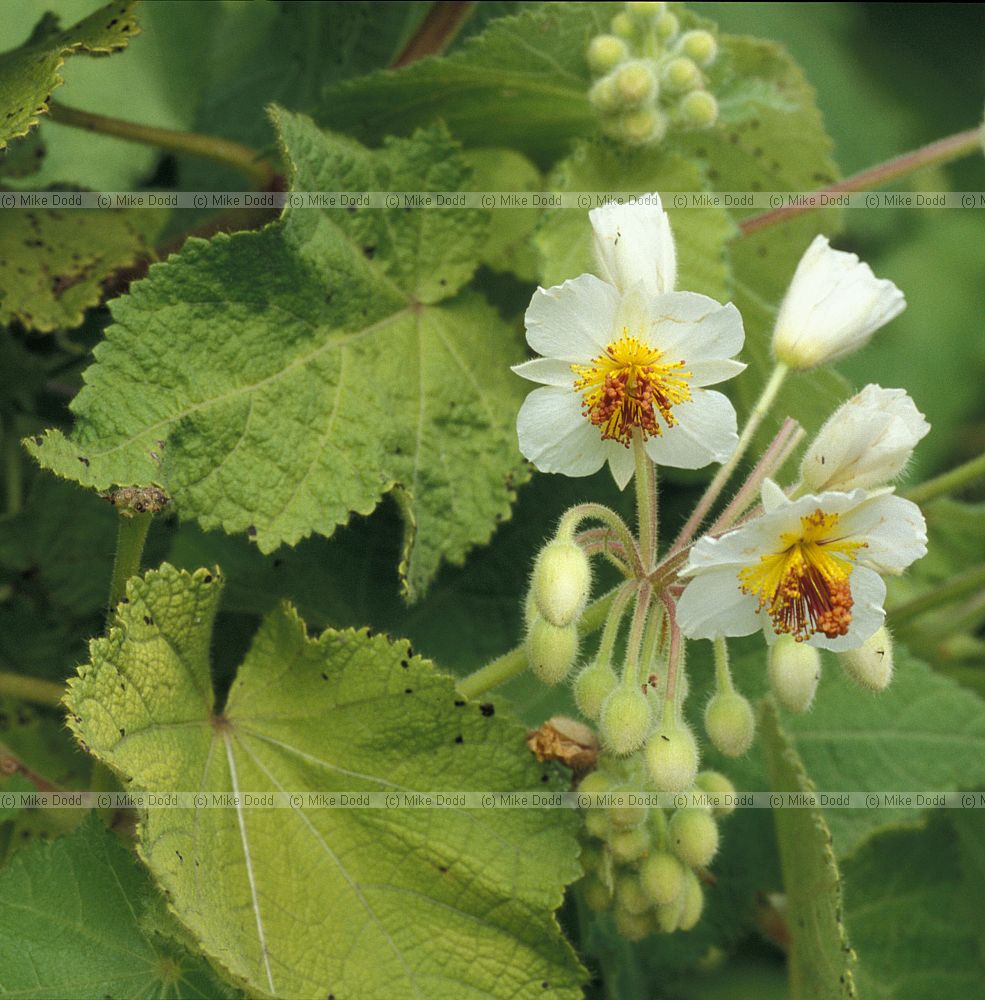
(626, 355)
(833, 306)
(865, 443)
(808, 568)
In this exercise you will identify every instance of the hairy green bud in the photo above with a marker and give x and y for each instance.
(625, 720)
(680, 75)
(730, 723)
(596, 893)
(636, 83)
(694, 901)
(667, 27)
(630, 895)
(628, 846)
(551, 651)
(644, 12)
(606, 52)
(668, 915)
(604, 96)
(641, 128)
(699, 109)
(591, 857)
(662, 878)
(693, 836)
(699, 46)
(623, 26)
(633, 926)
(871, 665)
(794, 670)
(672, 759)
(715, 783)
(597, 823)
(592, 686)
(625, 817)
(562, 579)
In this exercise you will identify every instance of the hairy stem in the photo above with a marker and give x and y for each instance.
(634, 642)
(948, 482)
(130, 540)
(936, 153)
(210, 147)
(646, 502)
(437, 31)
(723, 675)
(32, 689)
(598, 512)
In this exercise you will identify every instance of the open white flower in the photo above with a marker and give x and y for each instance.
(833, 306)
(809, 568)
(865, 443)
(628, 355)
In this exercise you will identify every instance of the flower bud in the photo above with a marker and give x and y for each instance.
(625, 720)
(680, 75)
(694, 900)
(794, 670)
(597, 823)
(561, 581)
(668, 916)
(645, 13)
(633, 926)
(591, 858)
(630, 895)
(667, 27)
(699, 46)
(628, 846)
(606, 52)
(592, 686)
(596, 893)
(865, 443)
(699, 109)
(833, 306)
(672, 759)
(715, 783)
(662, 878)
(643, 127)
(551, 651)
(693, 836)
(623, 26)
(636, 83)
(625, 817)
(730, 723)
(604, 96)
(871, 665)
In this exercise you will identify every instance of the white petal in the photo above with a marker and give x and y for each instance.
(696, 327)
(555, 436)
(869, 595)
(574, 321)
(547, 371)
(622, 465)
(712, 605)
(705, 433)
(634, 244)
(893, 529)
(712, 372)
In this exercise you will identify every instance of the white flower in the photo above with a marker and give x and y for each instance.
(628, 354)
(833, 306)
(865, 443)
(809, 568)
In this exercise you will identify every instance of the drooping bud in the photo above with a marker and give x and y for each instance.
(672, 759)
(667, 27)
(623, 26)
(626, 816)
(794, 671)
(645, 13)
(699, 46)
(625, 720)
(606, 52)
(551, 651)
(643, 127)
(662, 878)
(592, 686)
(604, 96)
(628, 846)
(633, 926)
(730, 723)
(715, 783)
(833, 306)
(871, 665)
(693, 836)
(668, 916)
(636, 83)
(865, 443)
(680, 74)
(694, 900)
(699, 109)
(596, 893)
(630, 895)
(562, 579)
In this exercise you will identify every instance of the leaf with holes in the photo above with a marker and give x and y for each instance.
(274, 382)
(29, 74)
(307, 901)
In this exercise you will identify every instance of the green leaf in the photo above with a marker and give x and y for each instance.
(289, 377)
(820, 960)
(53, 262)
(373, 902)
(564, 239)
(913, 905)
(29, 74)
(74, 922)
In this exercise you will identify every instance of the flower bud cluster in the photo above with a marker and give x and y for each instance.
(650, 75)
(642, 862)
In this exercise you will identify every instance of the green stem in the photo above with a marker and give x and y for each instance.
(13, 471)
(513, 663)
(948, 482)
(955, 588)
(210, 147)
(32, 689)
(942, 151)
(631, 669)
(723, 676)
(599, 512)
(129, 548)
(612, 622)
(711, 494)
(646, 502)
(438, 30)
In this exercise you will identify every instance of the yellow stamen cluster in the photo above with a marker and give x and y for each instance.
(628, 386)
(805, 585)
